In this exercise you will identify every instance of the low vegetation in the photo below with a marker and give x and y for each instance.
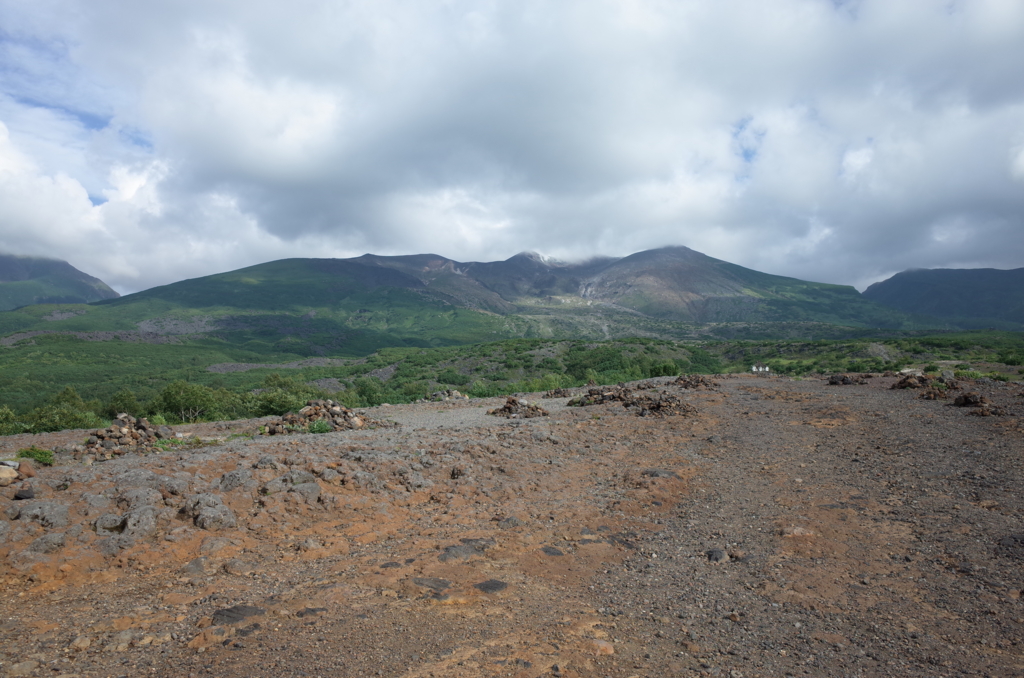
(63, 383)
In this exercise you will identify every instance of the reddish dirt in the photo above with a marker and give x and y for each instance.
(784, 528)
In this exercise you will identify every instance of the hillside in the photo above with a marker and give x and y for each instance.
(35, 280)
(671, 283)
(970, 297)
(352, 307)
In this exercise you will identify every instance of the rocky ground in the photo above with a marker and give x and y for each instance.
(782, 528)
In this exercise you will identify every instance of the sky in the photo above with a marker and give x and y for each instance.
(837, 141)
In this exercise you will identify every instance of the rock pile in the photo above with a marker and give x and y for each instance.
(695, 382)
(559, 393)
(514, 408)
(659, 405)
(912, 381)
(599, 396)
(336, 416)
(12, 471)
(846, 380)
(125, 434)
(983, 408)
(446, 394)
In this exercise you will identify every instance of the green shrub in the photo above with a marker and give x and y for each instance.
(319, 426)
(370, 391)
(124, 401)
(931, 368)
(188, 402)
(451, 377)
(60, 418)
(158, 420)
(44, 457)
(9, 422)
(967, 374)
(275, 402)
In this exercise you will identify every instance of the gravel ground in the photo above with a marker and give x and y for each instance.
(784, 528)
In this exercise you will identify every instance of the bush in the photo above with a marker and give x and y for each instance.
(188, 402)
(60, 418)
(451, 377)
(930, 368)
(274, 402)
(370, 391)
(319, 426)
(9, 422)
(123, 402)
(44, 457)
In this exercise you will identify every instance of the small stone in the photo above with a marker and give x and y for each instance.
(551, 551)
(239, 568)
(795, 532)
(121, 641)
(80, 643)
(25, 493)
(717, 555)
(22, 668)
(26, 470)
(602, 647)
(7, 475)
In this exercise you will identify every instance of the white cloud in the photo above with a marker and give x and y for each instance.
(832, 142)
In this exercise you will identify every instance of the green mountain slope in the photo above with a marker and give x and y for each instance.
(34, 280)
(351, 307)
(970, 297)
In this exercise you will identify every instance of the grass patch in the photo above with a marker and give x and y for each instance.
(39, 455)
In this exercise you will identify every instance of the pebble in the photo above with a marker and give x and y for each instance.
(717, 555)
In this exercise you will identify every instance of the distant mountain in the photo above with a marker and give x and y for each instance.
(35, 280)
(352, 307)
(670, 283)
(971, 297)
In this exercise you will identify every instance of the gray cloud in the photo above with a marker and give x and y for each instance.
(834, 141)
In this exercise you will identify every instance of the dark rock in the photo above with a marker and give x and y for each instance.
(717, 555)
(432, 583)
(109, 523)
(466, 550)
(551, 551)
(25, 493)
(658, 473)
(491, 586)
(235, 614)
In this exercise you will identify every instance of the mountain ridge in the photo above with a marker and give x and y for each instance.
(971, 297)
(354, 306)
(26, 280)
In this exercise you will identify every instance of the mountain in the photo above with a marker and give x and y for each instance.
(351, 307)
(969, 297)
(670, 283)
(35, 280)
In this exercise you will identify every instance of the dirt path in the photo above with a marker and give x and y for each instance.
(786, 528)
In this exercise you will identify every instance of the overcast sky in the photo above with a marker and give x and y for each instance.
(836, 141)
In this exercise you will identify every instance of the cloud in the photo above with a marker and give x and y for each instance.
(840, 142)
